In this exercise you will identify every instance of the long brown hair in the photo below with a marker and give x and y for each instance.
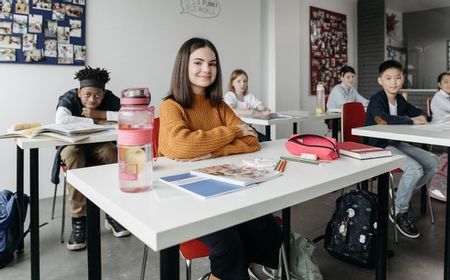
(236, 73)
(180, 86)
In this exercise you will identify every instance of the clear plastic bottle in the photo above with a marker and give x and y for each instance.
(320, 99)
(135, 140)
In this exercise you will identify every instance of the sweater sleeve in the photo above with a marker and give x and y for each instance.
(252, 101)
(230, 99)
(241, 144)
(336, 98)
(178, 141)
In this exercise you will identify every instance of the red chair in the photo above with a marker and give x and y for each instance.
(352, 116)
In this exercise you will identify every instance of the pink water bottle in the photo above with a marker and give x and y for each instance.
(135, 140)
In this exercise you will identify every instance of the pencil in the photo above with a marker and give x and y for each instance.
(283, 165)
(277, 165)
(297, 159)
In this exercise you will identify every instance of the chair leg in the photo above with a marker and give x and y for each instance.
(63, 219)
(430, 206)
(391, 186)
(144, 263)
(423, 199)
(54, 200)
(285, 262)
(188, 269)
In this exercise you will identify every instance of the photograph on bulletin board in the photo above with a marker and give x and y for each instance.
(328, 47)
(43, 32)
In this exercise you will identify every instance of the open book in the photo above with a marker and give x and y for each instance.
(361, 151)
(237, 175)
(70, 133)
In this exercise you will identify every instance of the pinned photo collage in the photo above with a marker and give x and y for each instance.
(328, 47)
(43, 31)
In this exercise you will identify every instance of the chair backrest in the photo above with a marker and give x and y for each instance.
(429, 107)
(155, 137)
(353, 115)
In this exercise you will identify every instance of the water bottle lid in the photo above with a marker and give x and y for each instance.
(135, 96)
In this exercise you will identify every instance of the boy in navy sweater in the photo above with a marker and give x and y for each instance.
(389, 107)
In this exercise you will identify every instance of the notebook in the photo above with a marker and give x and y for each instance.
(201, 187)
(361, 151)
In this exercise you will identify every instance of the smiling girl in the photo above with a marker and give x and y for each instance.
(196, 124)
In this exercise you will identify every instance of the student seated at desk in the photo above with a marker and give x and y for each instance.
(243, 102)
(440, 104)
(196, 124)
(345, 91)
(90, 103)
(440, 108)
(389, 107)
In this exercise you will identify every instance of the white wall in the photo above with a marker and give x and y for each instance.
(292, 45)
(137, 42)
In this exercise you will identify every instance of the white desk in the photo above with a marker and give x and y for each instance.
(419, 134)
(300, 116)
(33, 145)
(165, 216)
(268, 123)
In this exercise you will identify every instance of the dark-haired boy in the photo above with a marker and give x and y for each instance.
(90, 103)
(345, 91)
(390, 107)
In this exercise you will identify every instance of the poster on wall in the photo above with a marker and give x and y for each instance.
(328, 47)
(43, 32)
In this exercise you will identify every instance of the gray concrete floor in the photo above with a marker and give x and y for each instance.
(121, 257)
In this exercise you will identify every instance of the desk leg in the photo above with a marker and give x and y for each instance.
(335, 129)
(447, 231)
(286, 214)
(268, 136)
(169, 264)
(34, 212)
(383, 205)
(294, 128)
(19, 184)
(94, 253)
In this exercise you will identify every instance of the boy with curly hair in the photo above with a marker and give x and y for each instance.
(89, 103)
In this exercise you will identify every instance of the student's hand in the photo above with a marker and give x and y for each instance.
(94, 113)
(419, 120)
(248, 130)
(194, 159)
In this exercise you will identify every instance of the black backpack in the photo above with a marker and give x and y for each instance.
(12, 219)
(351, 234)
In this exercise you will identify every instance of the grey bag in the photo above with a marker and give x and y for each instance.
(302, 264)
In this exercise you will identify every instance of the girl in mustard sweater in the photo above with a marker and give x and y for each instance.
(196, 124)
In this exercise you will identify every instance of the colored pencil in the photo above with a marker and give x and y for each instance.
(297, 159)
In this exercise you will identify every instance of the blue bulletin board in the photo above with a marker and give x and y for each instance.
(43, 32)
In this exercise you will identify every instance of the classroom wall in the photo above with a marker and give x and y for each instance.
(137, 42)
(291, 38)
(427, 45)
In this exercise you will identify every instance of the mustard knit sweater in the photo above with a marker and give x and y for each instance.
(202, 129)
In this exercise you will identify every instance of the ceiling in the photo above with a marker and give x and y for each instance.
(407, 6)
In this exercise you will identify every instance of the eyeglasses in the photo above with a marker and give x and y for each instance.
(95, 95)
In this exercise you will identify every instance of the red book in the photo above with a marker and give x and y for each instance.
(361, 151)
